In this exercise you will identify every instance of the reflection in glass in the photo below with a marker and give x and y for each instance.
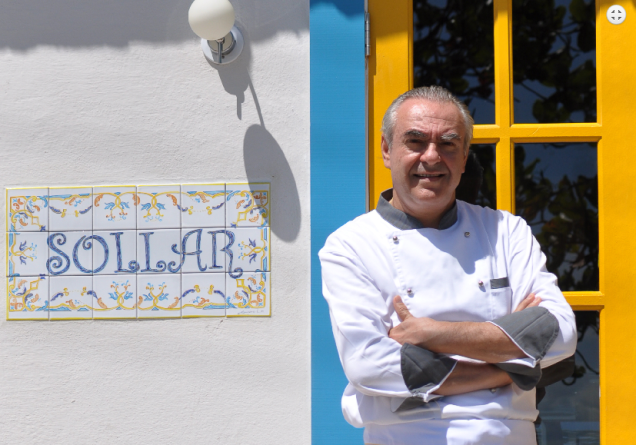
(556, 189)
(554, 61)
(569, 412)
(478, 183)
(453, 47)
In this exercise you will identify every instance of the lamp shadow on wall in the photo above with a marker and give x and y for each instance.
(263, 157)
(264, 160)
(235, 78)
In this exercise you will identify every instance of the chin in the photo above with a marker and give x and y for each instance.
(431, 197)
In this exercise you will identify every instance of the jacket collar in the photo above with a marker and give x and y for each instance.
(404, 221)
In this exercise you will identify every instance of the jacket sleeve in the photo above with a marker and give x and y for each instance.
(547, 333)
(374, 364)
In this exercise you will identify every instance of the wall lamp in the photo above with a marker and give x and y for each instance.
(213, 21)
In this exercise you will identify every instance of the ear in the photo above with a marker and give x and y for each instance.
(386, 154)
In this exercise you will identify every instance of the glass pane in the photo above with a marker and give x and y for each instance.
(556, 189)
(554, 61)
(453, 47)
(569, 412)
(478, 182)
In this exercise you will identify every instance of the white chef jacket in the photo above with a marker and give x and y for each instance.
(446, 275)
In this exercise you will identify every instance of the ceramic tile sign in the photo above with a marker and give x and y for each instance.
(132, 252)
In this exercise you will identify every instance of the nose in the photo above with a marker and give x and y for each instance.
(431, 154)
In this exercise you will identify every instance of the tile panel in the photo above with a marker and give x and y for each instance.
(138, 251)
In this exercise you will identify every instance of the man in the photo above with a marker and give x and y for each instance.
(432, 300)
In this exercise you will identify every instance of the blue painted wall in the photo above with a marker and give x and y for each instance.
(338, 185)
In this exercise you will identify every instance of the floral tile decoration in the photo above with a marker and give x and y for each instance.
(71, 298)
(247, 205)
(114, 208)
(159, 296)
(115, 296)
(28, 298)
(28, 210)
(158, 207)
(203, 295)
(138, 251)
(251, 249)
(248, 296)
(70, 208)
(203, 205)
(27, 253)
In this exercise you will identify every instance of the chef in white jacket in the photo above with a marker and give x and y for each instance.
(443, 312)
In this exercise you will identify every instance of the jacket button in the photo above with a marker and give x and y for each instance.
(481, 283)
(466, 234)
(409, 291)
(395, 239)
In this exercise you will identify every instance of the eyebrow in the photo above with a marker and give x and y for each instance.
(420, 134)
(450, 136)
(415, 133)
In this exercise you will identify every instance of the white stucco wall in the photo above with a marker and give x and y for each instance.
(118, 92)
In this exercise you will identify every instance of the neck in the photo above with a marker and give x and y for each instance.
(429, 215)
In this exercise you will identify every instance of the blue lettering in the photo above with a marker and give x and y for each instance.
(101, 241)
(161, 265)
(236, 273)
(132, 265)
(86, 245)
(183, 252)
(55, 262)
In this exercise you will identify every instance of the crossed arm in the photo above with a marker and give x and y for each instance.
(481, 341)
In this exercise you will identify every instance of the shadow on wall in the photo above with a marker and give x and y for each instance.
(235, 78)
(265, 160)
(263, 157)
(26, 24)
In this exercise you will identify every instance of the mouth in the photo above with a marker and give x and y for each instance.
(428, 175)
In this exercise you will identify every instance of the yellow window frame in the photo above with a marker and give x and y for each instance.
(390, 71)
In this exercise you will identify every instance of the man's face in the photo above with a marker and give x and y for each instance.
(427, 156)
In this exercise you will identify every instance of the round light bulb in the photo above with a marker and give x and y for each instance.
(211, 19)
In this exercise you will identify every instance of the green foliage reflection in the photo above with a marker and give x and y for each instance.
(554, 45)
(554, 59)
(453, 47)
(563, 214)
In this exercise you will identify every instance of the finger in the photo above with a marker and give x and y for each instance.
(525, 302)
(400, 308)
(535, 302)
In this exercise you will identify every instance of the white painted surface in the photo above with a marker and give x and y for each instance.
(116, 92)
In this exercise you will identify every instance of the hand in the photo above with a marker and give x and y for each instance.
(412, 330)
(481, 341)
(530, 301)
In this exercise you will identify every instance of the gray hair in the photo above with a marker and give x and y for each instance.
(433, 93)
